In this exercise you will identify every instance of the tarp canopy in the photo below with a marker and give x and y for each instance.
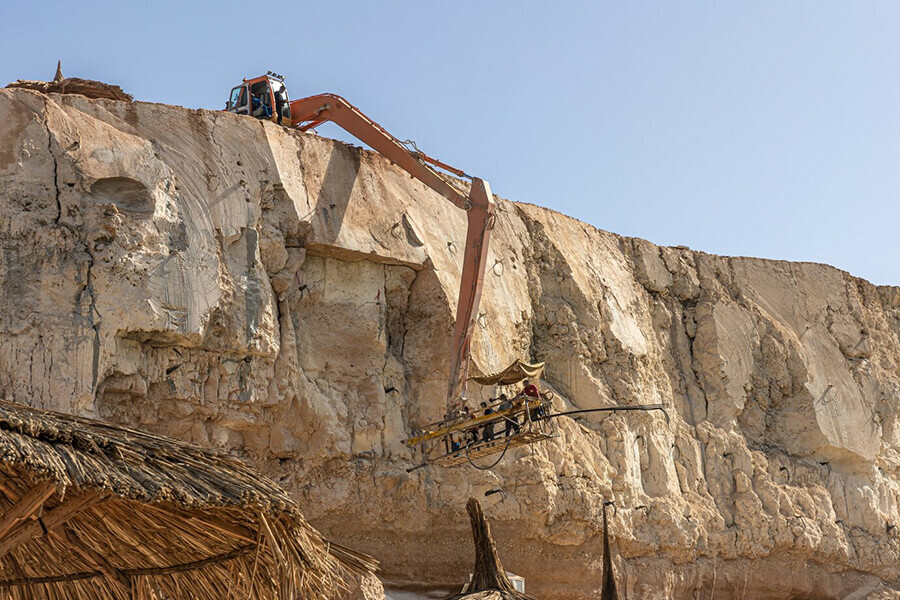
(514, 373)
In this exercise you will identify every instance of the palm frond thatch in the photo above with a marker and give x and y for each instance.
(93, 510)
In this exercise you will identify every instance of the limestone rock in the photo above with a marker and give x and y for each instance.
(290, 298)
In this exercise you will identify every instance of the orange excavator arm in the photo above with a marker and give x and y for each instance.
(479, 207)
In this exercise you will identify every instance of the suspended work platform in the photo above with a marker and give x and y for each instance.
(466, 437)
(525, 418)
(507, 422)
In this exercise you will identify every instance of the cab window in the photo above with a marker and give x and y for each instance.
(261, 90)
(262, 100)
(282, 104)
(233, 99)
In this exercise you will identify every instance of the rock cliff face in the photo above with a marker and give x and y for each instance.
(291, 298)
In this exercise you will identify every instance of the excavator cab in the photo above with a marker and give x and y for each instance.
(263, 97)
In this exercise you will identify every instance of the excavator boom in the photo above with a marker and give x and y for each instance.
(461, 437)
(312, 111)
(479, 207)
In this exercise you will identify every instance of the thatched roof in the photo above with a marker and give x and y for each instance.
(91, 510)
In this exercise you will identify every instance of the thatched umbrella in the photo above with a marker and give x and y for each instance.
(608, 590)
(91, 510)
(489, 580)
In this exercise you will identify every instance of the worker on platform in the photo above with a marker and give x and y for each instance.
(470, 435)
(512, 421)
(487, 432)
(260, 109)
(452, 413)
(530, 393)
(456, 413)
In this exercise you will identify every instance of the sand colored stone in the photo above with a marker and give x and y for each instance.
(291, 298)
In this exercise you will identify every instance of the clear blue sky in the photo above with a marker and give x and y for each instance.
(757, 128)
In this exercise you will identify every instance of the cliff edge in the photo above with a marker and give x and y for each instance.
(290, 298)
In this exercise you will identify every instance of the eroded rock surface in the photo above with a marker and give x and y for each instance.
(291, 298)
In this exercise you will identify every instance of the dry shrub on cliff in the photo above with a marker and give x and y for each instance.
(91, 510)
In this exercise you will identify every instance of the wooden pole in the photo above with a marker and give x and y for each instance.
(608, 591)
(25, 507)
(488, 573)
(51, 519)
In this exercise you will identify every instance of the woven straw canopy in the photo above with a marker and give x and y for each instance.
(91, 510)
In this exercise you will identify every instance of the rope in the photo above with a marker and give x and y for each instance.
(509, 439)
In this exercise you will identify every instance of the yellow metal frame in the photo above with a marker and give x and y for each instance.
(442, 428)
(482, 449)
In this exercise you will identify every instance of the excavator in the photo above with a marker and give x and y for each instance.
(461, 436)
(266, 97)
